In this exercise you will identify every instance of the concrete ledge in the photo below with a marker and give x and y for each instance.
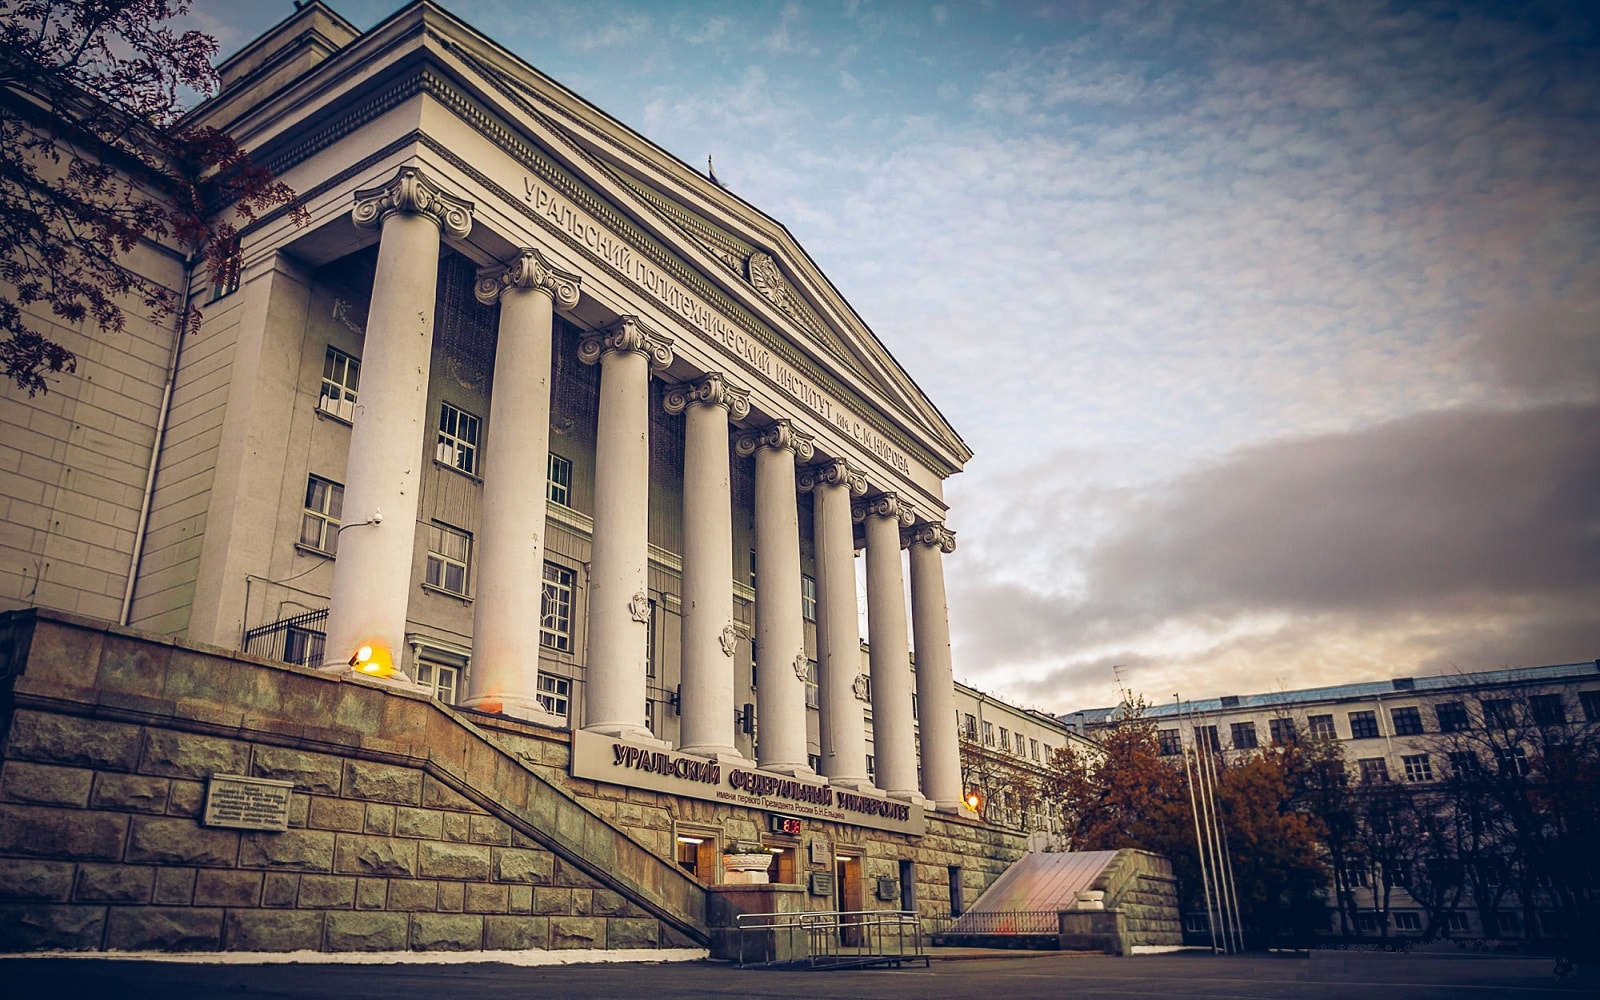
(575, 956)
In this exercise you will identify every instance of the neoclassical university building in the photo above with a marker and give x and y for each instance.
(532, 469)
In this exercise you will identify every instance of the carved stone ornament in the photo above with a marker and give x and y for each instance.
(884, 505)
(778, 434)
(411, 192)
(710, 389)
(801, 665)
(860, 687)
(768, 281)
(529, 270)
(728, 639)
(932, 533)
(833, 472)
(627, 334)
(639, 608)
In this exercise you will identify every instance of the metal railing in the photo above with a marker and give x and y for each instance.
(295, 640)
(1007, 922)
(830, 939)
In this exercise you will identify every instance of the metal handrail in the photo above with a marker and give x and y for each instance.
(870, 934)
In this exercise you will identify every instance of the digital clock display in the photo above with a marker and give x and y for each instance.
(783, 824)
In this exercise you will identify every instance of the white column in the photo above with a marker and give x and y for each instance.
(833, 485)
(706, 700)
(619, 598)
(505, 614)
(780, 635)
(894, 736)
(372, 583)
(936, 697)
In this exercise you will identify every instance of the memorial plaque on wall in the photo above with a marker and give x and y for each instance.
(242, 803)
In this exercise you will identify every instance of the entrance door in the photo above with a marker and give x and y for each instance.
(847, 897)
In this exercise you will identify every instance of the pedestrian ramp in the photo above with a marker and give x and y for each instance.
(839, 939)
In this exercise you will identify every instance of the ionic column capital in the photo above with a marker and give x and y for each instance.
(627, 335)
(883, 505)
(833, 472)
(710, 389)
(412, 192)
(531, 271)
(933, 534)
(780, 434)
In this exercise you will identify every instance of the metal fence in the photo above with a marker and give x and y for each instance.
(1007, 922)
(296, 640)
(832, 939)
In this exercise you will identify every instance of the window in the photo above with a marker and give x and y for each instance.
(1374, 770)
(341, 377)
(448, 552)
(971, 726)
(1452, 716)
(815, 760)
(1366, 922)
(1590, 700)
(872, 766)
(1005, 739)
(1465, 764)
(1407, 721)
(1282, 731)
(1456, 920)
(1512, 761)
(319, 526)
(1508, 922)
(1363, 725)
(813, 696)
(458, 439)
(1033, 749)
(302, 646)
(1547, 710)
(1498, 713)
(650, 641)
(1206, 736)
(1418, 767)
(227, 277)
(808, 597)
(1322, 727)
(1355, 875)
(558, 480)
(1408, 921)
(1243, 735)
(956, 901)
(1049, 752)
(1196, 923)
(988, 734)
(554, 693)
(439, 680)
(1167, 739)
(650, 713)
(555, 618)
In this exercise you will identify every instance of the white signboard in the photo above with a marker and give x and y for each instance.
(619, 762)
(241, 803)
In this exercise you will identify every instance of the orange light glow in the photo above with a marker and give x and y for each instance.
(373, 658)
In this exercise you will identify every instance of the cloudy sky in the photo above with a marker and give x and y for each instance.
(1275, 326)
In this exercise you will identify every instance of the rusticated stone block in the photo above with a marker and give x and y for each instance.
(296, 850)
(577, 932)
(40, 881)
(605, 903)
(128, 664)
(360, 854)
(380, 818)
(371, 893)
(516, 933)
(188, 755)
(445, 860)
(114, 883)
(227, 888)
(410, 821)
(186, 798)
(336, 814)
(299, 809)
(45, 784)
(174, 886)
(327, 892)
(60, 739)
(452, 897)
(162, 841)
(34, 831)
(519, 898)
(485, 897)
(552, 900)
(280, 889)
(367, 931)
(631, 932)
(413, 894)
(437, 795)
(488, 830)
(520, 839)
(582, 903)
(456, 827)
(446, 932)
(513, 865)
(130, 793)
(311, 772)
(383, 782)
(158, 928)
(272, 930)
(42, 928)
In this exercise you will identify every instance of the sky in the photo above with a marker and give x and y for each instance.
(1274, 326)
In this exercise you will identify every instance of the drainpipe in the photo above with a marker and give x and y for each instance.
(155, 444)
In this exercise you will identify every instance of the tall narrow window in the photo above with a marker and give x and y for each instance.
(458, 439)
(319, 525)
(555, 620)
(341, 377)
(227, 275)
(808, 598)
(448, 552)
(813, 699)
(558, 480)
